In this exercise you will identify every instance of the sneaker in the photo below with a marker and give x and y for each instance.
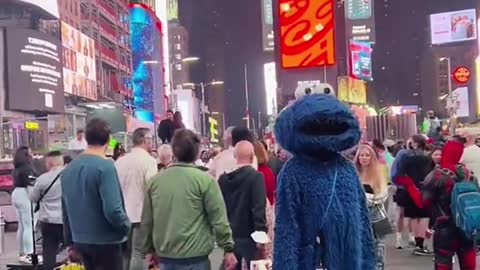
(422, 251)
(25, 259)
(398, 246)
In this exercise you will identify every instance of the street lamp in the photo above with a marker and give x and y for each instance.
(223, 118)
(450, 96)
(189, 59)
(203, 105)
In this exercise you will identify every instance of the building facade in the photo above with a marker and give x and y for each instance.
(70, 12)
(179, 49)
(107, 22)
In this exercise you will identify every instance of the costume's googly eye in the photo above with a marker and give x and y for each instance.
(328, 91)
(304, 90)
(308, 91)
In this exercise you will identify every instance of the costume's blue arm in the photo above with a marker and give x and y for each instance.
(287, 228)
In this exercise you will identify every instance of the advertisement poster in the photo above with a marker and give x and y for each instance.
(270, 78)
(453, 26)
(79, 71)
(307, 34)
(351, 90)
(172, 10)
(34, 71)
(267, 25)
(360, 20)
(461, 97)
(361, 60)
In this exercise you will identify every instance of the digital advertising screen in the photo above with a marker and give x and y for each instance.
(145, 31)
(50, 6)
(306, 33)
(79, 72)
(455, 26)
(360, 20)
(351, 90)
(172, 10)
(267, 25)
(270, 77)
(361, 60)
(34, 71)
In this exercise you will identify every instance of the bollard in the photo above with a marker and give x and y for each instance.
(2, 233)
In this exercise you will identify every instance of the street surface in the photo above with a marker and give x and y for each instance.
(396, 259)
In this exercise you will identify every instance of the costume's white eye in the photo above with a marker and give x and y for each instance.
(307, 89)
(303, 90)
(328, 91)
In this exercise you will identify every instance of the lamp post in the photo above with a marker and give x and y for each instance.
(223, 118)
(190, 59)
(450, 98)
(203, 105)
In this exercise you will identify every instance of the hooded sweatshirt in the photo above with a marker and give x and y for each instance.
(244, 194)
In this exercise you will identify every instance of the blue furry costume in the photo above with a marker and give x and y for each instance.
(321, 210)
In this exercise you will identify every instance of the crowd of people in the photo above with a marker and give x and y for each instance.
(167, 207)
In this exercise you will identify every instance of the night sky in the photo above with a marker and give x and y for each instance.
(226, 34)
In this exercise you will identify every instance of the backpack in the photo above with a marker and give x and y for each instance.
(465, 205)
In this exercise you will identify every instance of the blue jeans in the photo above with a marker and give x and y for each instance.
(133, 256)
(22, 204)
(202, 265)
(381, 253)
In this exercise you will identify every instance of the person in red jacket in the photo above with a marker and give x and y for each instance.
(435, 196)
(268, 175)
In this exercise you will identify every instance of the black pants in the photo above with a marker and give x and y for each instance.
(245, 249)
(448, 241)
(52, 239)
(101, 257)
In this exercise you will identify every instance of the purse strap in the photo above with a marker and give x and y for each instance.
(49, 187)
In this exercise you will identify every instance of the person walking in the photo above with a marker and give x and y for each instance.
(184, 212)
(135, 169)
(268, 175)
(94, 215)
(24, 176)
(372, 175)
(47, 192)
(244, 193)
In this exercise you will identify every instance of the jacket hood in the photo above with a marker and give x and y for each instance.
(236, 178)
(451, 155)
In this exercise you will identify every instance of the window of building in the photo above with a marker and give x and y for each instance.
(178, 67)
(178, 46)
(178, 56)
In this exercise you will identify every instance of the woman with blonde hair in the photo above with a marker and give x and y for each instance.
(372, 175)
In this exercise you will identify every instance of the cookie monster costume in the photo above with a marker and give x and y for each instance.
(321, 210)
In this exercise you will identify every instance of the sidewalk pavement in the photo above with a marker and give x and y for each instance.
(396, 259)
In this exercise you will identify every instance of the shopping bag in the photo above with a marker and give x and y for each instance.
(381, 224)
(261, 265)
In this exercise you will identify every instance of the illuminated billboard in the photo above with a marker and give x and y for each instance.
(79, 72)
(361, 60)
(360, 20)
(145, 31)
(307, 33)
(172, 10)
(267, 25)
(351, 90)
(270, 77)
(455, 26)
(50, 6)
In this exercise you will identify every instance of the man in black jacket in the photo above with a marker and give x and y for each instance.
(166, 128)
(244, 193)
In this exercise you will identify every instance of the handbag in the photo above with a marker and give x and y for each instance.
(37, 206)
(379, 218)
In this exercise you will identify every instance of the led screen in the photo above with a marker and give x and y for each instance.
(50, 6)
(455, 26)
(361, 60)
(306, 33)
(79, 72)
(34, 71)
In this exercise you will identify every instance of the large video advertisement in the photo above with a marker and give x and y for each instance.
(50, 6)
(34, 71)
(455, 26)
(79, 72)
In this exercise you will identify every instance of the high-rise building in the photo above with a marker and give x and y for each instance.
(107, 22)
(70, 12)
(179, 49)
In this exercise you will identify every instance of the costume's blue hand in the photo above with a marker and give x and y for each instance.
(287, 229)
(368, 241)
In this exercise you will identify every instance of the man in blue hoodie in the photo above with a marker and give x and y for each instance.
(94, 217)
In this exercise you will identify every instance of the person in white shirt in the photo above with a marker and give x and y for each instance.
(135, 169)
(225, 161)
(471, 153)
(78, 143)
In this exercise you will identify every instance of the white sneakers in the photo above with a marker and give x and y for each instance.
(27, 259)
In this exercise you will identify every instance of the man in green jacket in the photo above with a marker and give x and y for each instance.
(184, 212)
